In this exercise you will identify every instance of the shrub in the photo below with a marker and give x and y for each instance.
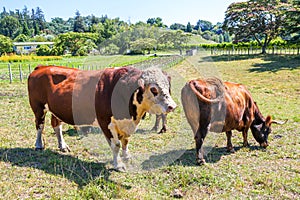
(6, 45)
(43, 50)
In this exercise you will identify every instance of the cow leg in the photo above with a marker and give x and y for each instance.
(115, 146)
(125, 152)
(164, 123)
(229, 144)
(245, 135)
(57, 126)
(156, 125)
(199, 139)
(40, 113)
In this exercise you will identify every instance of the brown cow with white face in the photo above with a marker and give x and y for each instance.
(213, 105)
(116, 99)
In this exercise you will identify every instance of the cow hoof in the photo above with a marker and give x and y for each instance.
(201, 162)
(230, 150)
(65, 149)
(121, 168)
(126, 158)
(162, 131)
(246, 144)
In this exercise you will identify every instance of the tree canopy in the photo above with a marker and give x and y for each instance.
(256, 19)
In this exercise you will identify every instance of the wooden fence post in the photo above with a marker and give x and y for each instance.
(21, 74)
(10, 73)
(29, 69)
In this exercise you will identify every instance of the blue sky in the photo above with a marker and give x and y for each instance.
(171, 11)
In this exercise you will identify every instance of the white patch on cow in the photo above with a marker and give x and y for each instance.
(39, 142)
(61, 142)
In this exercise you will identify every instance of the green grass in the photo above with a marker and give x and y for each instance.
(166, 162)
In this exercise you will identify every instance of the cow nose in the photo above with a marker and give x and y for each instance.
(170, 108)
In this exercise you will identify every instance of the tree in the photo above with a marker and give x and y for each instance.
(156, 22)
(43, 50)
(174, 38)
(189, 27)
(292, 23)
(8, 26)
(142, 45)
(203, 25)
(79, 25)
(21, 38)
(256, 19)
(178, 26)
(75, 43)
(6, 45)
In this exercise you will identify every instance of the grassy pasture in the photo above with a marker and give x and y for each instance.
(162, 164)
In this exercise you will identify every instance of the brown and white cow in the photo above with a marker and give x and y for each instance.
(116, 99)
(213, 105)
(162, 117)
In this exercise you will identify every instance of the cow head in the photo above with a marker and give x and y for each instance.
(262, 130)
(156, 96)
(144, 91)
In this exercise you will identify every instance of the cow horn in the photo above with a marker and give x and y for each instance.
(279, 122)
(200, 96)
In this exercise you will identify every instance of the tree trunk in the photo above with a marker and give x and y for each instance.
(263, 49)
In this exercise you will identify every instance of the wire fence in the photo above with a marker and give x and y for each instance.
(254, 51)
(20, 72)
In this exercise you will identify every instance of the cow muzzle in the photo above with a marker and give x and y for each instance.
(264, 144)
(171, 105)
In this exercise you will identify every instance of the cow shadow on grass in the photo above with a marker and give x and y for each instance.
(72, 168)
(188, 157)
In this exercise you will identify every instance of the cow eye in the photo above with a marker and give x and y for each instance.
(154, 91)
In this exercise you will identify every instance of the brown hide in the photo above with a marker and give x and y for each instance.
(213, 105)
(56, 87)
(75, 96)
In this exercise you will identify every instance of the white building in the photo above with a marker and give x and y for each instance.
(29, 47)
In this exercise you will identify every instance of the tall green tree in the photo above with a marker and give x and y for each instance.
(9, 25)
(189, 27)
(256, 19)
(79, 25)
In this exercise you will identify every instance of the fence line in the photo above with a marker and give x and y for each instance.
(22, 72)
(253, 51)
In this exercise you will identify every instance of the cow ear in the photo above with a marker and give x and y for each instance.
(268, 120)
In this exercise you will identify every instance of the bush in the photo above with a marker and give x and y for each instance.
(43, 50)
(6, 45)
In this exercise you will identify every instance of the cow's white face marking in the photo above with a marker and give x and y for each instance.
(156, 92)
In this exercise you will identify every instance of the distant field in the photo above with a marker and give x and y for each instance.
(87, 62)
(163, 164)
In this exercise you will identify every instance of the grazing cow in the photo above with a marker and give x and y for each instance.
(115, 99)
(211, 105)
(162, 117)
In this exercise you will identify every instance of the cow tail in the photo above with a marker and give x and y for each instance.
(200, 96)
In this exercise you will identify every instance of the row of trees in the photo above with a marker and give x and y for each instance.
(255, 20)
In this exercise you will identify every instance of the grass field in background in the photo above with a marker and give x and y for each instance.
(85, 172)
(86, 62)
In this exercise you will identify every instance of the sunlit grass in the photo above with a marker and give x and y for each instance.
(85, 173)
